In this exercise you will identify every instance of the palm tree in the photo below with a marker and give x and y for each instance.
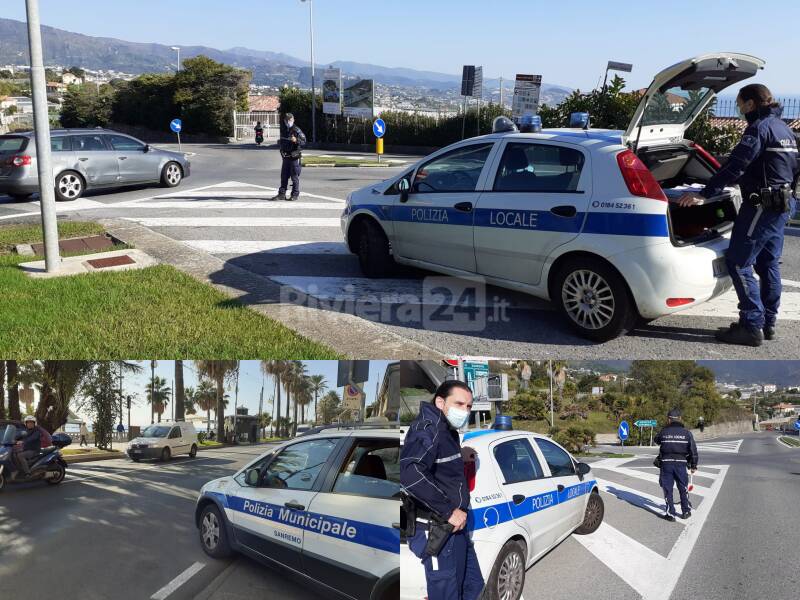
(219, 371)
(158, 396)
(275, 369)
(206, 398)
(153, 364)
(317, 386)
(295, 372)
(13, 390)
(58, 381)
(303, 397)
(189, 401)
(330, 406)
(180, 394)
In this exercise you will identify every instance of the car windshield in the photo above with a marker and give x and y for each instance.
(8, 435)
(10, 145)
(156, 431)
(673, 106)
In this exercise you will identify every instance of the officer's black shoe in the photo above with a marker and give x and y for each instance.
(769, 332)
(276, 197)
(669, 518)
(741, 335)
(290, 198)
(686, 515)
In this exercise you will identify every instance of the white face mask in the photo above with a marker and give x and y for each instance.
(289, 123)
(457, 417)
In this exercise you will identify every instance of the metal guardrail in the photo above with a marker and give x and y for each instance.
(728, 108)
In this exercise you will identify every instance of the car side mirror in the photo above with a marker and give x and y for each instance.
(403, 186)
(252, 477)
(146, 148)
(583, 469)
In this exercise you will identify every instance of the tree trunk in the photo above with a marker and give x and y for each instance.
(180, 393)
(294, 416)
(220, 409)
(13, 391)
(208, 422)
(315, 406)
(286, 419)
(277, 408)
(2, 389)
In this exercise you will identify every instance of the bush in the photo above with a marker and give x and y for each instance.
(575, 438)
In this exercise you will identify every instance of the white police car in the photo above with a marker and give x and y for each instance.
(527, 494)
(579, 216)
(324, 506)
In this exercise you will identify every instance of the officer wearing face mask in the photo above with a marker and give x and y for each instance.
(290, 144)
(432, 475)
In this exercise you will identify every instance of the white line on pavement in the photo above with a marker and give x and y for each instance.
(263, 203)
(727, 305)
(731, 447)
(173, 585)
(275, 247)
(236, 221)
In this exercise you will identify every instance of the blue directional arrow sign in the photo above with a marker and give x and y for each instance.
(797, 424)
(624, 431)
(646, 423)
(379, 128)
(176, 125)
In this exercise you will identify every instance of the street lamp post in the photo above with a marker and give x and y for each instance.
(41, 125)
(313, 86)
(178, 50)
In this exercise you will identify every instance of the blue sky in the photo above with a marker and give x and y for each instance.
(567, 42)
(250, 379)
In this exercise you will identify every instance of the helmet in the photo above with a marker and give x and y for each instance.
(29, 418)
(675, 413)
(503, 124)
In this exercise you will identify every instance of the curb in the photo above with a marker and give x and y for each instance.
(218, 581)
(785, 445)
(77, 458)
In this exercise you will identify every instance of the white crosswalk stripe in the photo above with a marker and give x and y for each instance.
(731, 447)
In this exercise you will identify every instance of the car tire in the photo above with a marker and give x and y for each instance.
(193, 451)
(213, 535)
(20, 197)
(171, 175)
(508, 573)
(593, 517)
(2, 482)
(166, 454)
(374, 251)
(135, 459)
(594, 299)
(62, 472)
(69, 186)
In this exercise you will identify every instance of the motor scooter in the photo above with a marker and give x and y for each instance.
(49, 465)
(259, 137)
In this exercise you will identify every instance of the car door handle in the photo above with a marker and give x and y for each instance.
(463, 206)
(564, 211)
(518, 498)
(122, 157)
(560, 488)
(294, 505)
(83, 159)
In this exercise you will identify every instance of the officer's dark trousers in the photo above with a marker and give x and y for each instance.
(21, 458)
(290, 168)
(674, 472)
(757, 241)
(455, 573)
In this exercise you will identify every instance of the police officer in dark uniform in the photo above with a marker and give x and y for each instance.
(291, 144)
(432, 475)
(677, 451)
(765, 165)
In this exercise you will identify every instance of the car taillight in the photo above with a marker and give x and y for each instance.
(673, 302)
(20, 161)
(706, 155)
(469, 473)
(638, 178)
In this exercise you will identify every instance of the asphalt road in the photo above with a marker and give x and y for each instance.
(222, 209)
(740, 543)
(122, 530)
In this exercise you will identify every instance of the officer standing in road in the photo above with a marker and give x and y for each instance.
(432, 475)
(765, 165)
(677, 451)
(290, 145)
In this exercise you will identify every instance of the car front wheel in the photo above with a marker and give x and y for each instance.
(69, 186)
(508, 574)
(593, 517)
(165, 454)
(193, 451)
(594, 299)
(213, 536)
(171, 175)
(374, 251)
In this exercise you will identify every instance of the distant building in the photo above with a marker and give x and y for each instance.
(268, 104)
(769, 388)
(608, 377)
(71, 79)
(785, 410)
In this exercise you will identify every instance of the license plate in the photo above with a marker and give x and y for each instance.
(136, 451)
(719, 267)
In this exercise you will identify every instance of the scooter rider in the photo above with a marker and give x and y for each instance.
(432, 475)
(765, 165)
(290, 145)
(677, 450)
(29, 446)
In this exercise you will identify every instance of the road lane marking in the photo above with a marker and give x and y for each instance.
(269, 246)
(235, 221)
(173, 585)
(211, 203)
(730, 447)
(726, 305)
(607, 486)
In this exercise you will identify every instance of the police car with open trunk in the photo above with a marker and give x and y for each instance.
(324, 506)
(585, 218)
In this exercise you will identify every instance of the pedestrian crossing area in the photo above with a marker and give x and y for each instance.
(728, 447)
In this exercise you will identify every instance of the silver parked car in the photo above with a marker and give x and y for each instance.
(86, 159)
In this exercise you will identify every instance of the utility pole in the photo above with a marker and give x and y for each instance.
(501, 92)
(550, 373)
(41, 126)
(313, 86)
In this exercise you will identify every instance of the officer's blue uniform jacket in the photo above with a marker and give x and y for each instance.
(768, 147)
(431, 467)
(677, 444)
(287, 146)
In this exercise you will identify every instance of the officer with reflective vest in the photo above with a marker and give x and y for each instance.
(677, 452)
(765, 165)
(432, 476)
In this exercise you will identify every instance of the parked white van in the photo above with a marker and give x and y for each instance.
(164, 440)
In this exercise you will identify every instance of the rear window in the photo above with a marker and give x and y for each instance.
(673, 105)
(538, 168)
(12, 144)
(60, 144)
(84, 143)
(517, 461)
(557, 459)
(372, 469)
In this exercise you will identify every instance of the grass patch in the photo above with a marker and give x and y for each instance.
(86, 451)
(790, 441)
(11, 235)
(210, 444)
(157, 311)
(342, 161)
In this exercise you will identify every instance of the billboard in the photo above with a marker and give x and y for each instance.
(359, 99)
(526, 95)
(467, 80)
(477, 88)
(332, 91)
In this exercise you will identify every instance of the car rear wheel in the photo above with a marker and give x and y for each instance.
(59, 473)
(594, 299)
(20, 197)
(135, 459)
(171, 175)
(2, 482)
(213, 536)
(593, 517)
(165, 454)
(69, 186)
(374, 251)
(508, 574)
(193, 451)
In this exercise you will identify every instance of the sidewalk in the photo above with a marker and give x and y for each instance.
(246, 579)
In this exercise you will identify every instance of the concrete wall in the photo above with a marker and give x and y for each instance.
(710, 432)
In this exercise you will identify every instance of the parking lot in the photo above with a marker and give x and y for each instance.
(222, 210)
